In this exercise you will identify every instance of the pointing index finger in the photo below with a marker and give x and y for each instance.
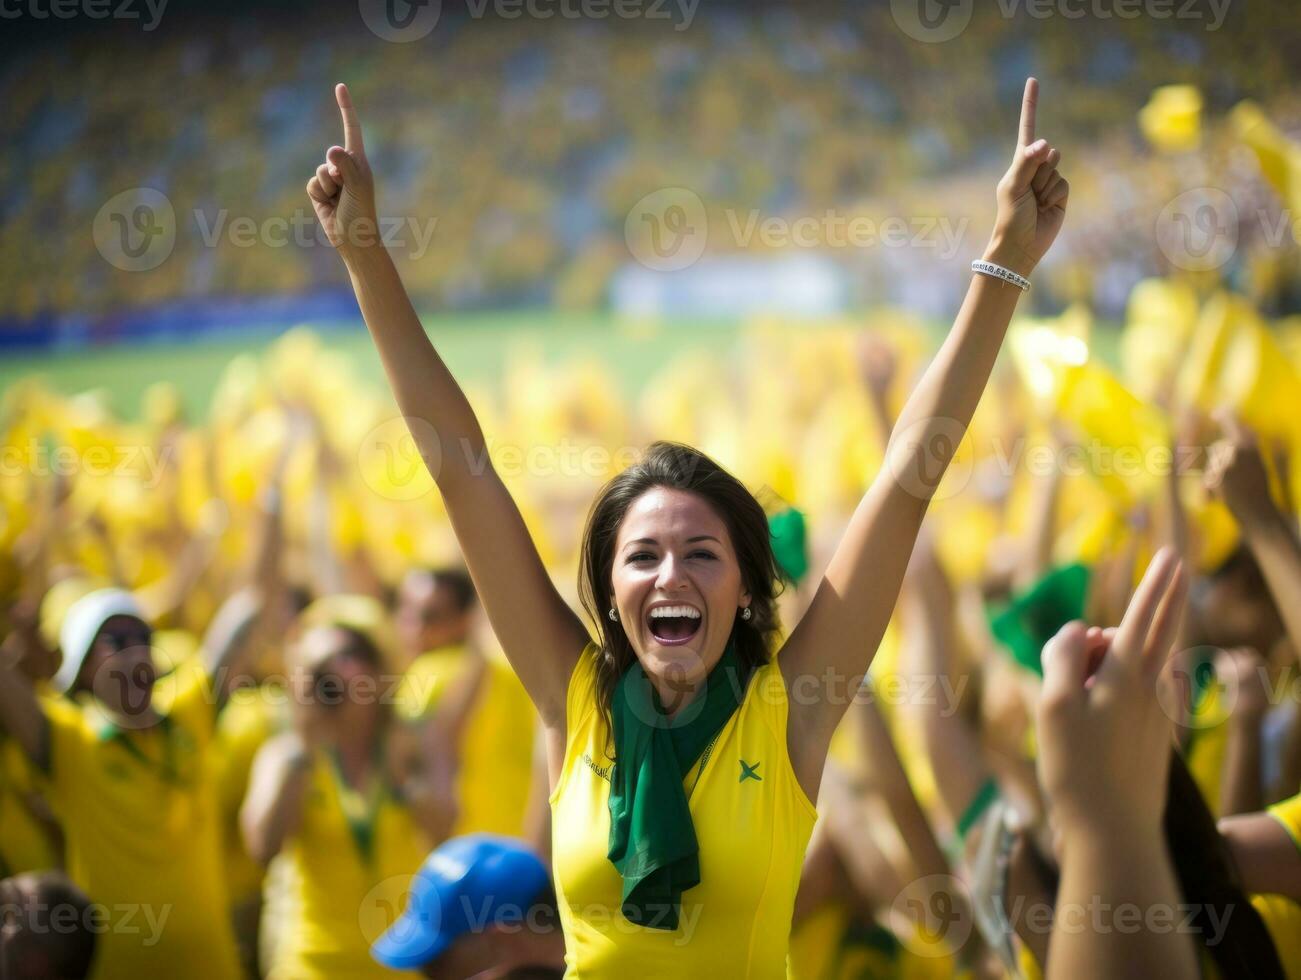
(1028, 105)
(351, 127)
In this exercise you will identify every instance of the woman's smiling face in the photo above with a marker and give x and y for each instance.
(677, 584)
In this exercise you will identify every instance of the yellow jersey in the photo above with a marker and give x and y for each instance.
(142, 838)
(339, 895)
(752, 822)
(250, 717)
(27, 842)
(1282, 914)
(494, 771)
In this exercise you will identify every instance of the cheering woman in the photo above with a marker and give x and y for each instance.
(684, 748)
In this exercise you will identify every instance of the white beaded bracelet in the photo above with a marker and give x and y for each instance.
(998, 272)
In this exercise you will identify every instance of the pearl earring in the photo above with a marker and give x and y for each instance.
(746, 614)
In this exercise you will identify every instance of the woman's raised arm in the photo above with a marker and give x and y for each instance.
(839, 634)
(540, 634)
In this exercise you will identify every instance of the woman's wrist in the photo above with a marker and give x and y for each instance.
(1009, 257)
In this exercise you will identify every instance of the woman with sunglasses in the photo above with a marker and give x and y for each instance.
(684, 748)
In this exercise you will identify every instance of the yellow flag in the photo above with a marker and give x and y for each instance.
(1172, 119)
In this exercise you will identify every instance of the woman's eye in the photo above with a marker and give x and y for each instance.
(640, 556)
(702, 554)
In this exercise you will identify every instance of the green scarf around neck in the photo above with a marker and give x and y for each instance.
(652, 838)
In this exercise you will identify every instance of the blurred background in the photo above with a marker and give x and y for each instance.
(743, 225)
(667, 219)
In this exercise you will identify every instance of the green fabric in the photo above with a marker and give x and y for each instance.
(787, 532)
(652, 838)
(982, 801)
(1034, 616)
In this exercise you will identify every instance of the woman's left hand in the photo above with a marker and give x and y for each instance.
(1031, 197)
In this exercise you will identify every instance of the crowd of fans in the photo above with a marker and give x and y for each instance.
(289, 551)
(515, 148)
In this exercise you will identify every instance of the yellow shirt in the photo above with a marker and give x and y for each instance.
(141, 831)
(494, 771)
(752, 833)
(26, 843)
(1282, 914)
(249, 718)
(338, 901)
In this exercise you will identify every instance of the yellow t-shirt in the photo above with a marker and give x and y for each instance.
(337, 901)
(141, 832)
(1282, 914)
(495, 768)
(752, 822)
(26, 843)
(249, 718)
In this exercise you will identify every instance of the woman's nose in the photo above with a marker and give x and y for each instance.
(671, 574)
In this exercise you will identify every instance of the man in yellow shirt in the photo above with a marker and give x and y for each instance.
(434, 615)
(125, 762)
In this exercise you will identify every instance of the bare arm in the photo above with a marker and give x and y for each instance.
(1242, 787)
(20, 711)
(1237, 474)
(1108, 739)
(273, 806)
(1267, 858)
(541, 635)
(862, 581)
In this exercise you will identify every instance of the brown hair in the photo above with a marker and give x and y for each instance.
(678, 467)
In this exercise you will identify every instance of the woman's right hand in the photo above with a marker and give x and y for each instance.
(343, 190)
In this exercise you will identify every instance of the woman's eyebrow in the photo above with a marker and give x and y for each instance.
(698, 537)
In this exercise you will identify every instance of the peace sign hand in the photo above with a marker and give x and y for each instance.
(1031, 196)
(343, 190)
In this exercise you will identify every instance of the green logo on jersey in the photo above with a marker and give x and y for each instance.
(749, 771)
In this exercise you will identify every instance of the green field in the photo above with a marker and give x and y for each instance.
(474, 346)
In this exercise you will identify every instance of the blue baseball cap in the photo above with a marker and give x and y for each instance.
(466, 883)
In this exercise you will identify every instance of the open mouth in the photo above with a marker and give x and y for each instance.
(671, 625)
